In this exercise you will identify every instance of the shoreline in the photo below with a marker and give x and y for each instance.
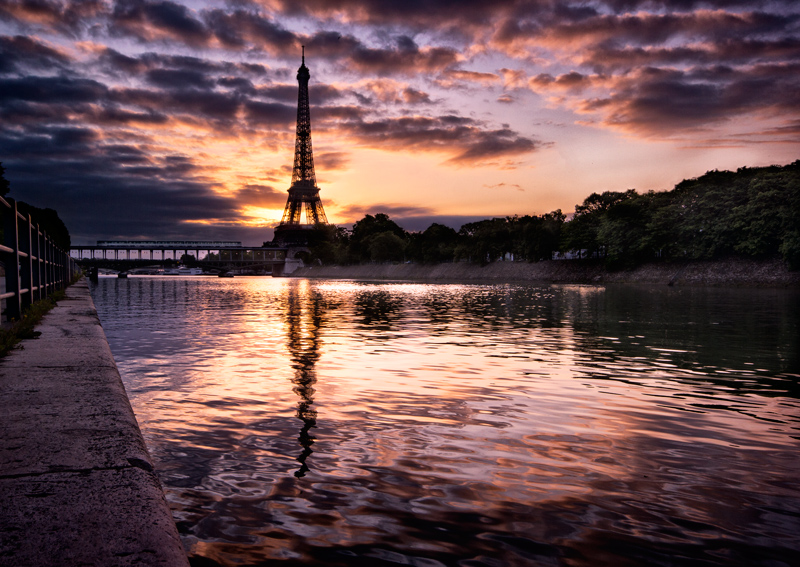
(716, 273)
(78, 483)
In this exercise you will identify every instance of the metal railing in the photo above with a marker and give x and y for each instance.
(35, 267)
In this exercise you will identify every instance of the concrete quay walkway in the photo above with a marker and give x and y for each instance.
(77, 485)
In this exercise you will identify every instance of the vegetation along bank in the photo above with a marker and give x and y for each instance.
(749, 217)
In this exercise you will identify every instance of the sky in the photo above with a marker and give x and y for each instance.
(162, 120)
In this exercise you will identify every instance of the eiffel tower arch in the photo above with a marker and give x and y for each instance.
(303, 209)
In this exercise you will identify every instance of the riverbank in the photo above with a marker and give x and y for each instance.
(729, 272)
(77, 483)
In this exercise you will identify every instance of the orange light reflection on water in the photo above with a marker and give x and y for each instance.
(299, 406)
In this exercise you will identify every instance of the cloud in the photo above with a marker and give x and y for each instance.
(20, 53)
(164, 20)
(239, 28)
(261, 196)
(513, 78)
(466, 140)
(405, 59)
(504, 185)
(658, 102)
(331, 161)
(355, 212)
(269, 113)
(571, 82)
(483, 79)
(152, 96)
(68, 18)
(392, 92)
(418, 15)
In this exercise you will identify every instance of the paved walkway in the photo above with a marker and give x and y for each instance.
(77, 485)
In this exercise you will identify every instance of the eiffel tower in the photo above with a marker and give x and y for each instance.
(304, 193)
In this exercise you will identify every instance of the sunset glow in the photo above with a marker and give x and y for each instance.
(161, 119)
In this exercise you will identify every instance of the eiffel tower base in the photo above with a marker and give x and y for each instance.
(292, 235)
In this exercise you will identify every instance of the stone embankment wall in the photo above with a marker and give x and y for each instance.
(731, 272)
(77, 485)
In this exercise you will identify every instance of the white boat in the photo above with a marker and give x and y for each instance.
(184, 271)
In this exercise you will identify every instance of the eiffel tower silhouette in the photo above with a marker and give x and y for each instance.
(304, 193)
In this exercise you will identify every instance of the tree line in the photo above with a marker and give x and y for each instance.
(751, 212)
(47, 219)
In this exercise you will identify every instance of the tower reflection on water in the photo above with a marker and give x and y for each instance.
(304, 315)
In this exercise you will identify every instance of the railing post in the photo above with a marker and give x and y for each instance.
(51, 266)
(48, 264)
(62, 284)
(26, 264)
(36, 268)
(11, 238)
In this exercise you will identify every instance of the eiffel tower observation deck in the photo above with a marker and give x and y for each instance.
(303, 207)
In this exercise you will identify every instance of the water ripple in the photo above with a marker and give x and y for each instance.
(353, 423)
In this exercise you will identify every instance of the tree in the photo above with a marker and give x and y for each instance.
(486, 241)
(583, 231)
(537, 237)
(48, 221)
(364, 232)
(4, 185)
(328, 244)
(434, 245)
(386, 247)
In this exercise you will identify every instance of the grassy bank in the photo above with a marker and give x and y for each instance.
(730, 272)
(16, 331)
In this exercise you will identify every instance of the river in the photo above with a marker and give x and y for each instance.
(323, 422)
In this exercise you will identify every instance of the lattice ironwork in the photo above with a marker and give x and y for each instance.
(304, 193)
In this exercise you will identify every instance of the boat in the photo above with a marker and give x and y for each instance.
(184, 271)
(225, 275)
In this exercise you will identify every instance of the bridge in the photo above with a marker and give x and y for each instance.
(215, 256)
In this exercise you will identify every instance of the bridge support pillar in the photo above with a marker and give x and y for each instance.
(292, 262)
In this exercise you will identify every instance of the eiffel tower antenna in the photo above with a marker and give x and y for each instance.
(304, 193)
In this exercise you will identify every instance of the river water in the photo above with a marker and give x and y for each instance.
(297, 422)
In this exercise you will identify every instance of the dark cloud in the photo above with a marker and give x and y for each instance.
(402, 60)
(739, 51)
(51, 89)
(19, 53)
(261, 196)
(215, 110)
(70, 18)
(238, 28)
(661, 102)
(115, 62)
(147, 21)
(179, 79)
(412, 13)
(657, 29)
(112, 191)
(271, 113)
(467, 141)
